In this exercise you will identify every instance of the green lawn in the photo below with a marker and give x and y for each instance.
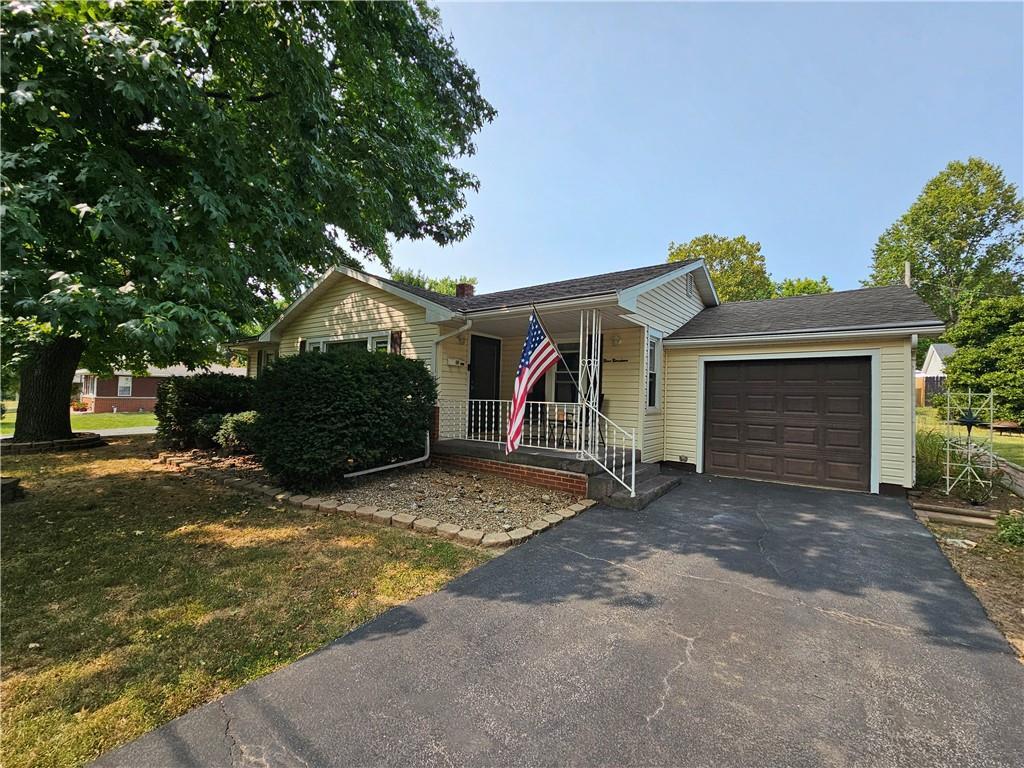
(83, 422)
(132, 593)
(1010, 447)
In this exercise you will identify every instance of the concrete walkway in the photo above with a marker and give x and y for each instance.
(731, 623)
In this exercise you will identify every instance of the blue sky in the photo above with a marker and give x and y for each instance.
(807, 127)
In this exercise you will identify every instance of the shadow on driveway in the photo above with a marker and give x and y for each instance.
(730, 623)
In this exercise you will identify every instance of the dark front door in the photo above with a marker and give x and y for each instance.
(805, 421)
(484, 384)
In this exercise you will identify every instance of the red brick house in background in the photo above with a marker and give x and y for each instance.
(125, 392)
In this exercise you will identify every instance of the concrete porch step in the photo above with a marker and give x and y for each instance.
(650, 485)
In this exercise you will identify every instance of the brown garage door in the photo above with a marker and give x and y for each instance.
(803, 420)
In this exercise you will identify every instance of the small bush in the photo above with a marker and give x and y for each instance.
(182, 400)
(931, 459)
(206, 429)
(1010, 529)
(322, 415)
(237, 433)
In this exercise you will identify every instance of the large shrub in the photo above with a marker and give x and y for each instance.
(182, 400)
(237, 433)
(322, 415)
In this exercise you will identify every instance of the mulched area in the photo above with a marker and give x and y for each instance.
(994, 572)
(468, 499)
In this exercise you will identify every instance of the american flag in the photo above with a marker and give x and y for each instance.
(539, 354)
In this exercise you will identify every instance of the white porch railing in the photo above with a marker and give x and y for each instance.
(557, 426)
(611, 446)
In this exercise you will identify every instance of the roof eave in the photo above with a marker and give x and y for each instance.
(821, 334)
(603, 298)
(628, 296)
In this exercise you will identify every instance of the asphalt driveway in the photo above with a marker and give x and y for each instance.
(730, 623)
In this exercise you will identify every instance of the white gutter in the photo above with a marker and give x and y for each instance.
(711, 341)
(598, 299)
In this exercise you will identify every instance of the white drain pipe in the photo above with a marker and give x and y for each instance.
(397, 464)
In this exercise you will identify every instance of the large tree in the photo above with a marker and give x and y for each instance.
(445, 284)
(736, 265)
(989, 357)
(962, 237)
(802, 286)
(171, 167)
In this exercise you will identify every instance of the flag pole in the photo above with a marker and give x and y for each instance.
(557, 350)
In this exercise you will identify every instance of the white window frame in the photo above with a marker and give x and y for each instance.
(653, 364)
(319, 343)
(120, 381)
(89, 386)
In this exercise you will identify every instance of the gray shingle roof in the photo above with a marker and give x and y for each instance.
(943, 350)
(890, 306)
(579, 287)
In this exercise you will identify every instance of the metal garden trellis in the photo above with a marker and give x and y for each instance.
(969, 459)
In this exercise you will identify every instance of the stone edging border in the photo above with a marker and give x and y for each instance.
(424, 525)
(80, 440)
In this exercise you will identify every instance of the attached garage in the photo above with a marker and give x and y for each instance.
(795, 420)
(810, 390)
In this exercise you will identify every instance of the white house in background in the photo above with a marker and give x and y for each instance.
(935, 360)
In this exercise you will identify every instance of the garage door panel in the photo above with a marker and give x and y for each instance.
(844, 405)
(724, 431)
(805, 468)
(725, 459)
(798, 436)
(762, 433)
(800, 405)
(760, 462)
(837, 438)
(760, 404)
(844, 472)
(724, 403)
(803, 421)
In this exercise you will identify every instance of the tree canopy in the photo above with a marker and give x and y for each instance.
(169, 168)
(962, 237)
(802, 286)
(445, 284)
(736, 265)
(989, 357)
(739, 271)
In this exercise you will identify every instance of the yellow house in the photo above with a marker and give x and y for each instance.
(655, 374)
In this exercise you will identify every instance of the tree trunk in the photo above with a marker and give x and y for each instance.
(44, 402)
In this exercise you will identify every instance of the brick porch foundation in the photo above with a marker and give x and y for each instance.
(558, 480)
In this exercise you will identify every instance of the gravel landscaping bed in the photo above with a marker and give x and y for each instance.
(467, 499)
(471, 500)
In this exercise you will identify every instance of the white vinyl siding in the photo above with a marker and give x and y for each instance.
(668, 306)
(665, 309)
(896, 384)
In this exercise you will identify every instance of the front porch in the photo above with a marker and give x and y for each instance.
(558, 469)
(586, 412)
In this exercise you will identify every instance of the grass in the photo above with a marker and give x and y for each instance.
(83, 422)
(132, 594)
(1010, 447)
